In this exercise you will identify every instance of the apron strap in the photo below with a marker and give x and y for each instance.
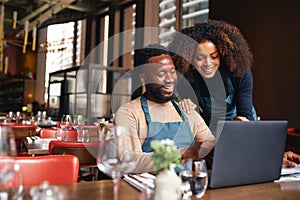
(145, 108)
(180, 112)
(147, 114)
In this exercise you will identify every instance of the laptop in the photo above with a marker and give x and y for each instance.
(247, 152)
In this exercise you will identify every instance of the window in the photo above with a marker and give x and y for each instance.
(167, 16)
(177, 14)
(102, 40)
(194, 11)
(59, 48)
(127, 30)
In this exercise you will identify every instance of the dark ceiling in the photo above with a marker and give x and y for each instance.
(45, 12)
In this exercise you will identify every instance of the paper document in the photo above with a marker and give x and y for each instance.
(293, 170)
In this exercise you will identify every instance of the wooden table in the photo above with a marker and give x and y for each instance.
(104, 190)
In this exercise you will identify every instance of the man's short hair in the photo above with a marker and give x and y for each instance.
(143, 55)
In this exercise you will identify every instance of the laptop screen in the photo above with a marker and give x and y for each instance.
(247, 152)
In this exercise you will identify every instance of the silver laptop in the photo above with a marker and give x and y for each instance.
(247, 152)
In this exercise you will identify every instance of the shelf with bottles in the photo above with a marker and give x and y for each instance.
(16, 92)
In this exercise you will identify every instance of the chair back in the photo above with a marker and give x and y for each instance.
(23, 131)
(51, 132)
(85, 151)
(56, 169)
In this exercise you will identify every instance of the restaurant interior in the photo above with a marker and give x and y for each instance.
(74, 57)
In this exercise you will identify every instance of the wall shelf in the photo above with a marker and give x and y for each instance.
(15, 93)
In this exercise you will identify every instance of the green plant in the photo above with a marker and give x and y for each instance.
(164, 154)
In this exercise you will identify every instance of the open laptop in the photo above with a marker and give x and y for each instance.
(247, 152)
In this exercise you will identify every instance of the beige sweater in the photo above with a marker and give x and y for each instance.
(132, 116)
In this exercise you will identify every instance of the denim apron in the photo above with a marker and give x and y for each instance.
(180, 132)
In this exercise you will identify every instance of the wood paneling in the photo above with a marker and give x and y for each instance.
(272, 29)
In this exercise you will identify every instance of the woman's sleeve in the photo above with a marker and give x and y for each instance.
(243, 90)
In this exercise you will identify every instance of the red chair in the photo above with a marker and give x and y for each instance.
(7, 123)
(51, 132)
(86, 153)
(21, 131)
(56, 169)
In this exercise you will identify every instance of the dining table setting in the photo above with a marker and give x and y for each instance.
(122, 184)
(37, 146)
(143, 186)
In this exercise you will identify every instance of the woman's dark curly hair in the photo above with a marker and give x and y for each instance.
(231, 44)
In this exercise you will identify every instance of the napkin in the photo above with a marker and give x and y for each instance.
(142, 182)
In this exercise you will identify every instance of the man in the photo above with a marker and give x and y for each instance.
(155, 116)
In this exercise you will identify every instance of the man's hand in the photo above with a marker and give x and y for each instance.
(290, 159)
(199, 150)
(191, 152)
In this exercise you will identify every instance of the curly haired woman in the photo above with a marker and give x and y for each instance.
(215, 59)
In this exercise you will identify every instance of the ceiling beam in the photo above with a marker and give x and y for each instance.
(51, 10)
(78, 8)
(37, 12)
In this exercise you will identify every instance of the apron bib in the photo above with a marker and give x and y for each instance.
(180, 132)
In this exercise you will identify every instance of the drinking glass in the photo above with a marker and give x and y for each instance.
(78, 124)
(194, 178)
(13, 187)
(10, 177)
(116, 153)
(7, 152)
(60, 134)
(66, 122)
(83, 136)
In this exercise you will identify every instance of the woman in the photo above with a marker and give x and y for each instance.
(215, 59)
(214, 50)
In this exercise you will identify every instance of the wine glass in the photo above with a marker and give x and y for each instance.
(60, 134)
(10, 117)
(10, 176)
(18, 117)
(78, 124)
(7, 152)
(66, 122)
(116, 153)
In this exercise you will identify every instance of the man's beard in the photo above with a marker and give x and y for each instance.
(157, 93)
